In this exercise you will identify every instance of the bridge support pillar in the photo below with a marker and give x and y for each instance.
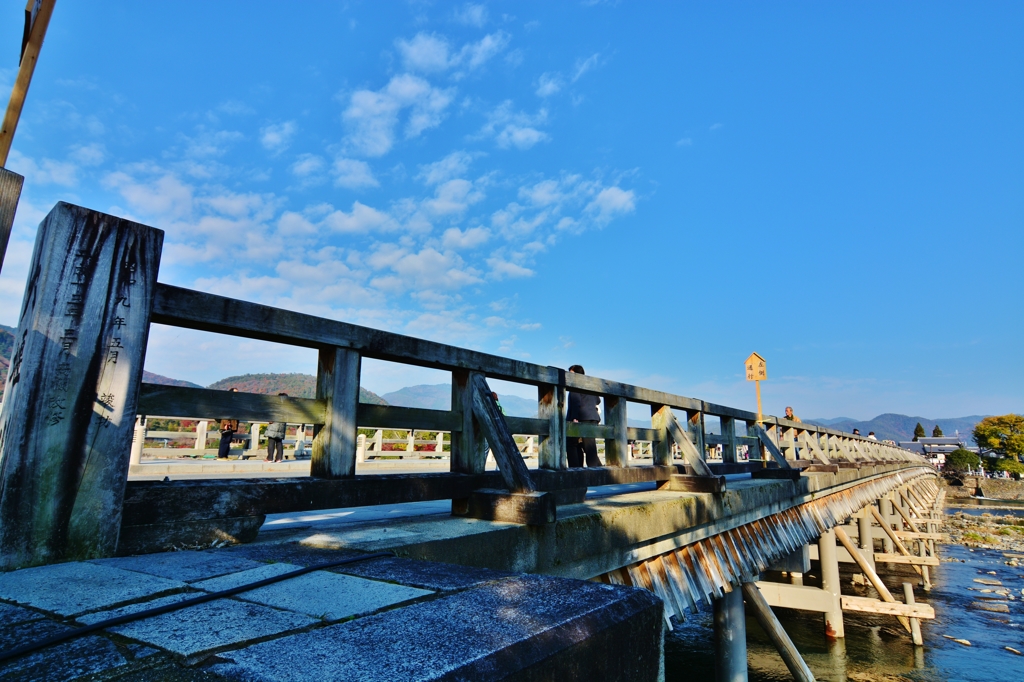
(865, 536)
(830, 583)
(887, 545)
(730, 638)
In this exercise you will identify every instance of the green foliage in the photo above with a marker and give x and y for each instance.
(936, 432)
(961, 460)
(918, 432)
(1010, 465)
(1003, 435)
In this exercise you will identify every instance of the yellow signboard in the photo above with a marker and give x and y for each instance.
(757, 368)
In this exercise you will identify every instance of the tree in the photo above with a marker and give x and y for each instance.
(1002, 435)
(936, 432)
(1011, 465)
(958, 463)
(918, 431)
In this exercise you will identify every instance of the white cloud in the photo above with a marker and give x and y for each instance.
(609, 203)
(432, 53)
(88, 154)
(548, 84)
(361, 219)
(426, 52)
(278, 136)
(372, 115)
(307, 165)
(471, 15)
(165, 196)
(45, 172)
(503, 269)
(453, 196)
(210, 143)
(515, 129)
(716, 126)
(458, 240)
(451, 166)
(684, 142)
(353, 174)
(584, 65)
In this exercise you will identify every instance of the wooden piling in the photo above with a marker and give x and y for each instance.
(773, 628)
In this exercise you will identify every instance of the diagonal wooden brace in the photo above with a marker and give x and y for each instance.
(689, 450)
(510, 462)
(771, 447)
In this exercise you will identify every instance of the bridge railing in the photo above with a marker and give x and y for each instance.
(75, 389)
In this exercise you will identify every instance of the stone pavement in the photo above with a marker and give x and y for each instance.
(380, 619)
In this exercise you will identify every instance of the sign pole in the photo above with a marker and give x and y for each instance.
(757, 385)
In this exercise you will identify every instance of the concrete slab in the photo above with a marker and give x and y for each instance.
(527, 627)
(74, 588)
(185, 566)
(429, 575)
(77, 658)
(332, 596)
(261, 572)
(289, 552)
(195, 629)
(14, 615)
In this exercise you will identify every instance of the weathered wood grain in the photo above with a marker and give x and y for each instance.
(506, 453)
(534, 509)
(690, 454)
(661, 454)
(616, 448)
(551, 408)
(469, 449)
(10, 192)
(337, 384)
(771, 448)
(69, 412)
(157, 400)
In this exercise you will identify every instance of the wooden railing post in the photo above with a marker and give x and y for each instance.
(729, 431)
(661, 452)
(695, 425)
(551, 408)
(469, 449)
(337, 383)
(616, 449)
(73, 386)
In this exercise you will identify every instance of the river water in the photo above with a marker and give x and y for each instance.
(877, 648)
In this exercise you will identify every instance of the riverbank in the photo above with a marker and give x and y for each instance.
(992, 488)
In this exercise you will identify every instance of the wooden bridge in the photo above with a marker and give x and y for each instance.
(704, 532)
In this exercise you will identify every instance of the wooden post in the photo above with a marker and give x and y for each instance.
(138, 441)
(469, 449)
(660, 451)
(200, 445)
(915, 623)
(551, 407)
(410, 442)
(756, 450)
(830, 583)
(729, 431)
(695, 425)
(360, 448)
(72, 391)
(616, 449)
(337, 382)
(254, 438)
(439, 443)
(40, 20)
(10, 192)
(773, 628)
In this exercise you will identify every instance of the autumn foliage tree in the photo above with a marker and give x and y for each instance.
(1002, 435)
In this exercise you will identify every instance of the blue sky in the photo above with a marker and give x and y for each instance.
(653, 190)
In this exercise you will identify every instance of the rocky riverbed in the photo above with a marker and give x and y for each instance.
(990, 530)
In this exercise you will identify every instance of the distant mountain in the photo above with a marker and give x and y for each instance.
(151, 378)
(439, 397)
(296, 385)
(899, 427)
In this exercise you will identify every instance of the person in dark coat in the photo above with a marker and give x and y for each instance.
(582, 410)
(227, 434)
(275, 439)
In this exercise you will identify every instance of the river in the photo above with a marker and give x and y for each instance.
(877, 648)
